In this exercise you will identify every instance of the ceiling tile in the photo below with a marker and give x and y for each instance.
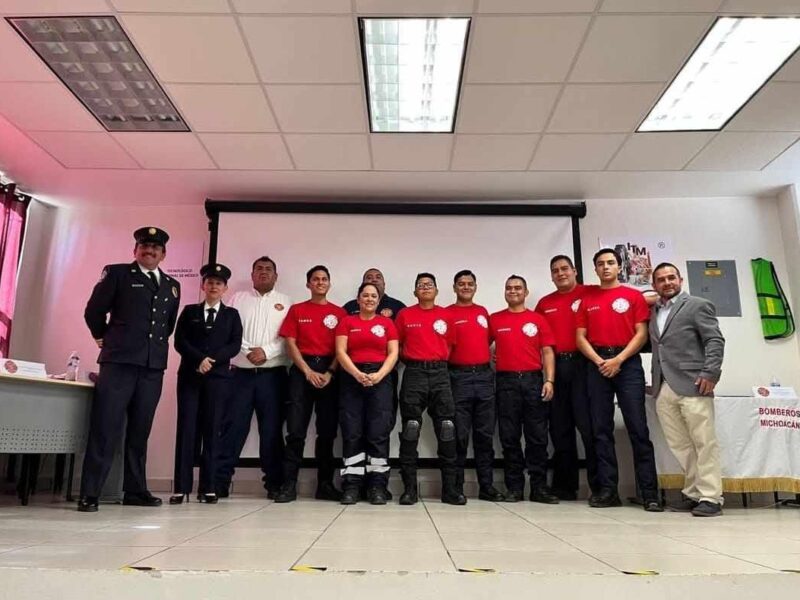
(45, 107)
(411, 152)
(493, 152)
(330, 152)
(414, 7)
(172, 6)
(774, 108)
(165, 150)
(790, 71)
(292, 6)
(20, 63)
(762, 7)
(660, 6)
(789, 161)
(505, 108)
(52, 7)
(191, 49)
(663, 151)
(637, 48)
(81, 150)
(575, 152)
(523, 49)
(234, 108)
(256, 151)
(319, 108)
(603, 108)
(734, 151)
(291, 50)
(539, 6)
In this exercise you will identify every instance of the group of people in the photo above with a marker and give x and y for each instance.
(556, 368)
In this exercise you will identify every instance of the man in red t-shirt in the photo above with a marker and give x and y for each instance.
(309, 331)
(523, 345)
(570, 406)
(612, 328)
(425, 338)
(472, 382)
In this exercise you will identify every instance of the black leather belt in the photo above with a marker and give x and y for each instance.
(518, 374)
(315, 358)
(426, 364)
(256, 370)
(368, 365)
(470, 368)
(568, 355)
(609, 351)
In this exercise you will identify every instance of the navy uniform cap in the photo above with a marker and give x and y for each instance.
(215, 270)
(151, 235)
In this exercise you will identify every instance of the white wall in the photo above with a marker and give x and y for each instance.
(713, 229)
(789, 216)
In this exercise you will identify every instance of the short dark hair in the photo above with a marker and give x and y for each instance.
(559, 257)
(364, 285)
(316, 268)
(464, 273)
(664, 265)
(520, 277)
(425, 276)
(264, 259)
(371, 269)
(607, 251)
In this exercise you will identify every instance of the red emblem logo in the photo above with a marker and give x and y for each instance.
(279, 306)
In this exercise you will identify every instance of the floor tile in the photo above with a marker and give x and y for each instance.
(745, 544)
(632, 544)
(513, 561)
(429, 561)
(349, 539)
(418, 521)
(182, 558)
(497, 524)
(561, 529)
(252, 538)
(517, 541)
(774, 561)
(681, 565)
(75, 557)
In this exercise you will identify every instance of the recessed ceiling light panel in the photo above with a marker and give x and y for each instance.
(736, 58)
(98, 63)
(413, 69)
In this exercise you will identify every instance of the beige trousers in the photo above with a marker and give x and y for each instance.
(688, 424)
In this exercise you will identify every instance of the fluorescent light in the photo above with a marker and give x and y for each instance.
(736, 57)
(413, 69)
(95, 59)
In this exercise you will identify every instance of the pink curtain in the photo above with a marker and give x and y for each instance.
(13, 210)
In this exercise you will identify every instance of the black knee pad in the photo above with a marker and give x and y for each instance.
(447, 431)
(411, 431)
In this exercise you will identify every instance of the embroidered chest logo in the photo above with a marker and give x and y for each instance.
(530, 329)
(440, 326)
(482, 321)
(620, 305)
(330, 321)
(378, 331)
(576, 305)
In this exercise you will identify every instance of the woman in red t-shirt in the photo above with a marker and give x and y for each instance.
(367, 349)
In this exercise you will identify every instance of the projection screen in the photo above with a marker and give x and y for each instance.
(494, 241)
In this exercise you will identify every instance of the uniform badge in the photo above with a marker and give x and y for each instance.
(482, 321)
(576, 305)
(620, 305)
(330, 321)
(152, 231)
(174, 291)
(387, 312)
(104, 274)
(378, 331)
(279, 306)
(440, 326)
(530, 329)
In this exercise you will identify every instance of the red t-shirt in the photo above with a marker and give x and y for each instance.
(425, 334)
(560, 310)
(610, 315)
(470, 335)
(518, 339)
(367, 341)
(313, 326)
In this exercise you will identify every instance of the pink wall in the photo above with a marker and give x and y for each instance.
(65, 252)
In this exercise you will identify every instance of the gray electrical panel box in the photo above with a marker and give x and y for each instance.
(716, 280)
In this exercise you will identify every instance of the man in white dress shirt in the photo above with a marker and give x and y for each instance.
(260, 379)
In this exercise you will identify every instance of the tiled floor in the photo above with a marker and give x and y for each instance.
(250, 534)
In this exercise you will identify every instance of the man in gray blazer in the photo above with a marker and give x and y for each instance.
(687, 362)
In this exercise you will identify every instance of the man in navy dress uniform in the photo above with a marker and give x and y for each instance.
(208, 335)
(131, 314)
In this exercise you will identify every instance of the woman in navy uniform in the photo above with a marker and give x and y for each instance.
(208, 335)
(131, 314)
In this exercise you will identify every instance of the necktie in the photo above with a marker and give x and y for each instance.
(153, 278)
(210, 317)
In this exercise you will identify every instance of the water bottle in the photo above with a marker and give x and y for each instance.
(73, 362)
(775, 382)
